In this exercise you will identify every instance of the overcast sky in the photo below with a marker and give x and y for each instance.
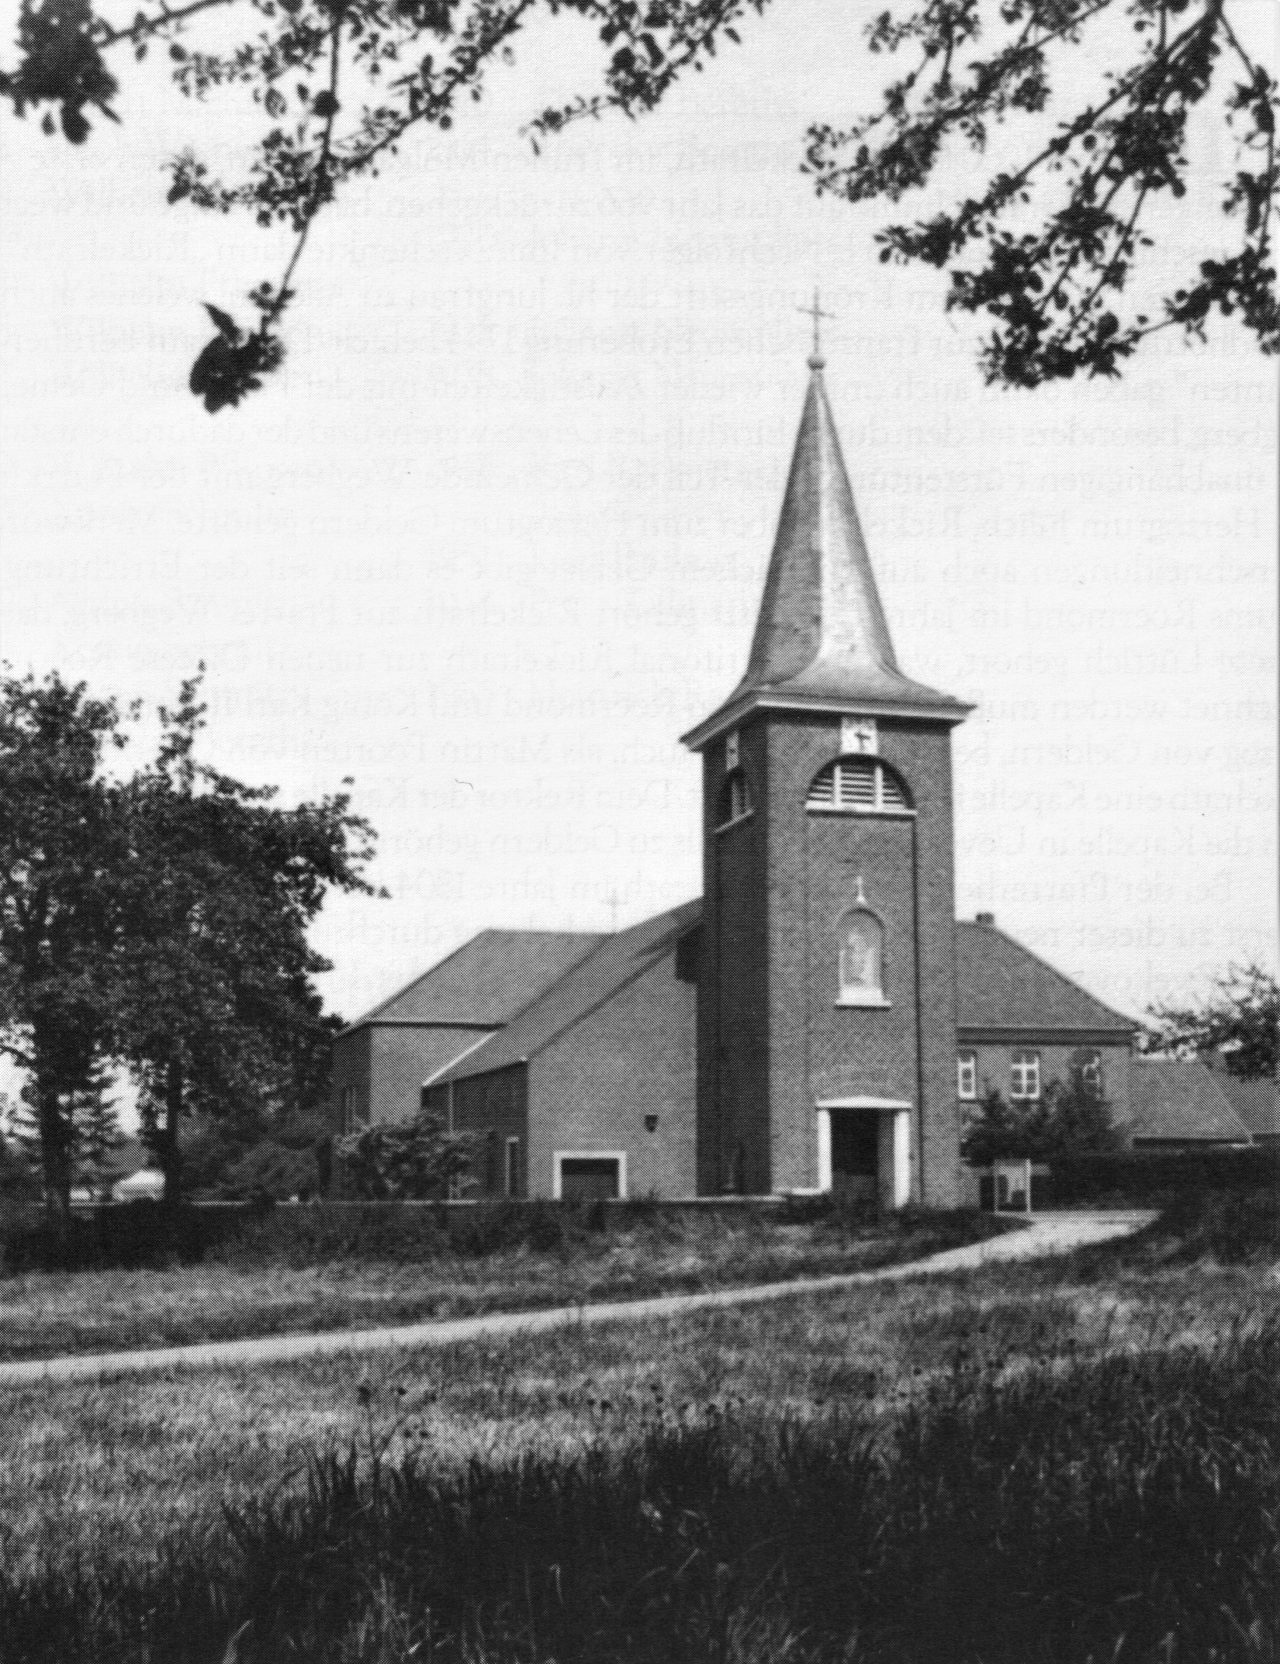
(496, 535)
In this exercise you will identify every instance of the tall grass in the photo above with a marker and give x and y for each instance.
(307, 1269)
(1121, 1508)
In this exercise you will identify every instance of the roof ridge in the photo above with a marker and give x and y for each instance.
(972, 924)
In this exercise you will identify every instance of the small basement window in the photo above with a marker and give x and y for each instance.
(858, 786)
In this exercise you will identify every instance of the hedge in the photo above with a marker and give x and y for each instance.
(1154, 1176)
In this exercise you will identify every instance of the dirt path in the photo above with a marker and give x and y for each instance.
(1056, 1233)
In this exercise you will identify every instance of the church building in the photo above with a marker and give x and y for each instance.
(818, 1019)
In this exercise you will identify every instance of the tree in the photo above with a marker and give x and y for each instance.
(59, 841)
(1070, 1118)
(97, 1131)
(159, 921)
(1240, 1021)
(1059, 235)
(216, 1010)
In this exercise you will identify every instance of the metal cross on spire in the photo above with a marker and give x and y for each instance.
(816, 360)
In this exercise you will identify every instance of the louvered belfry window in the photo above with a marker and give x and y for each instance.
(858, 786)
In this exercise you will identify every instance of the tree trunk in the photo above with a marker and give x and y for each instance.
(170, 1154)
(55, 1161)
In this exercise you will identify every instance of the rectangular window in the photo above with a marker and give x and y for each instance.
(348, 1109)
(1025, 1082)
(513, 1167)
(1089, 1072)
(967, 1075)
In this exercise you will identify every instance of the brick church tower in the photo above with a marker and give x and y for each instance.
(826, 978)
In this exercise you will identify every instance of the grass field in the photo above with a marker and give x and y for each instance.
(253, 1287)
(1066, 1462)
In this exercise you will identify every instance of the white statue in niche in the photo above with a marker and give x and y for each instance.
(861, 958)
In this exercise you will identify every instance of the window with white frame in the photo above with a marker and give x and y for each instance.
(1025, 1075)
(858, 786)
(735, 799)
(861, 958)
(967, 1075)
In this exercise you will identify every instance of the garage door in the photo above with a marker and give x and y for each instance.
(588, 1177)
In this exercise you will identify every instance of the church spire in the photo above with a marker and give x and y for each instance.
(821, 638)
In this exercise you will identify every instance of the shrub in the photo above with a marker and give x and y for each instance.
(399, 1161)
(1229, 1226)
(274, 1170)
(129, 1236)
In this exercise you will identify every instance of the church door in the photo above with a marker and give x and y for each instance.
(855, 1154)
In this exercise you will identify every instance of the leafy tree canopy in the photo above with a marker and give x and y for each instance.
(156, 919)
(1045, 248)
(60, 840)
(1240, 1021)
(216, 1008)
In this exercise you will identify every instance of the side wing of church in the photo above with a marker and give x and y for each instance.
(818, 1019)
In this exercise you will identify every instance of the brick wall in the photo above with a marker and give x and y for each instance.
(496, 1105)
(592, 1088)
(402, 1058)
(350, 1068)
(818, 1049)
(733, 1015)
(771, 1038)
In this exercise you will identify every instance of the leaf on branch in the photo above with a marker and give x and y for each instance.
(60, 63)
(232, 364)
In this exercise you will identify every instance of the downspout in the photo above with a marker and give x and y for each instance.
(915, 927)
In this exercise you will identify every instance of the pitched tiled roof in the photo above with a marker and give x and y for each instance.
(1175, 1098)
(487, 980)
(1001, 984)
(1256, 1102)
(616, 961)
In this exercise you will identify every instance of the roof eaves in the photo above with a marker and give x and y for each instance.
(739, 706)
